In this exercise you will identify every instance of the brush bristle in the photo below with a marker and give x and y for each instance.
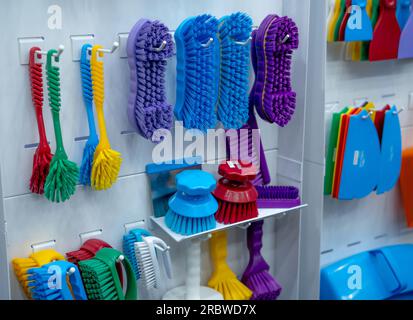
(230, 287)
(39, 285)
(263, 286)
(41, 167)
(129, 251)
(234, 70)
(21, 267)
(106, 167)
(277, 192)
(87, 162)
(200, 90)
(98, 280)
(229, 213)
(146, 266)
(188, 226)
(62, 179)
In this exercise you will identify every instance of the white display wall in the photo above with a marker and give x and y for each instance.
(30, 219)
(350, 227)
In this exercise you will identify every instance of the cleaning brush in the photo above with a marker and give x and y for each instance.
(149, 46)
(59, 280)
(257, 276)
(278, 197)
(272, 45)
(93, 140)
(235, 193)
(192, 208)
(106, 162)
(101, 279)
(43, 156)
(196, 90)
(129, 241)
(149, 266)
(35, 260)
(64, 174)
(223, 279)
(234, 32)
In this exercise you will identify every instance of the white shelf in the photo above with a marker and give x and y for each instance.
(262, 214)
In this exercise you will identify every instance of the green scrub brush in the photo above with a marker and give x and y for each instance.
(101, 279)
(63, 175)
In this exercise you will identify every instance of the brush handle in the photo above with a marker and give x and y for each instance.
(254, 243)
(53, 83)
(193, 270)
(36, 83)
(98, 83)
(87, 88)
(218, 249)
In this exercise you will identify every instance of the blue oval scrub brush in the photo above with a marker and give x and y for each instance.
(50, 282)
(93, 140)
(196, 90)
(234, 34)
(128, 244)
(192, 208)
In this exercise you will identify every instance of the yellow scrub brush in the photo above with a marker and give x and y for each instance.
(223, 279)
(106, 162)
(35, 260)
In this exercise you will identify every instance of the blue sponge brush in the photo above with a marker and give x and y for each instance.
(93, 140)
(129, 240)
(192, 208)
(234, 34)
(197, 61)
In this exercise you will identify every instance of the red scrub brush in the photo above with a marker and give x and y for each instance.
(236, 195)
(43, 155)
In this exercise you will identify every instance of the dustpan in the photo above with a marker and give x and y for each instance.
(406, 43)
(406, 185)
(331, 151)
(391, 152)
(361, 160)
(386, 36)
(358, 27)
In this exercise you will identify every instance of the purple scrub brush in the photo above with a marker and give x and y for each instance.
(149, 46)
(257, 277)
(272, 47)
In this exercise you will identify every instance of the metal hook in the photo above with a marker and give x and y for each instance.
(71, 271)
(208, 43)
(121, 258)
(60, 50)
(243, 43)
(115, 46)
(161, 47)
(285, 38)
(368, 115)
(398, 111)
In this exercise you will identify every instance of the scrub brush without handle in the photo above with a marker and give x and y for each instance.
(223, 279)
(64, 174)
(234, 33)
(93, 140)
(147, 254)
(106, 162)
(196, 89)
(101, 279)
(43, 156)
(257, 276)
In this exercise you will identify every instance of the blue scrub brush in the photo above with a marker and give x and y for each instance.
(129, 240)
(192, 208)
(50, 282)
(196, 93)
(234, 34)
(93, 140)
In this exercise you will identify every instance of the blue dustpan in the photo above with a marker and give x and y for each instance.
(361, 160)
(406, 44)
(403, 12)
(359, 27)
(391, 152)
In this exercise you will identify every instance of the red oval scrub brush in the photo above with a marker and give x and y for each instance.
(43, 156)
(236, 195)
